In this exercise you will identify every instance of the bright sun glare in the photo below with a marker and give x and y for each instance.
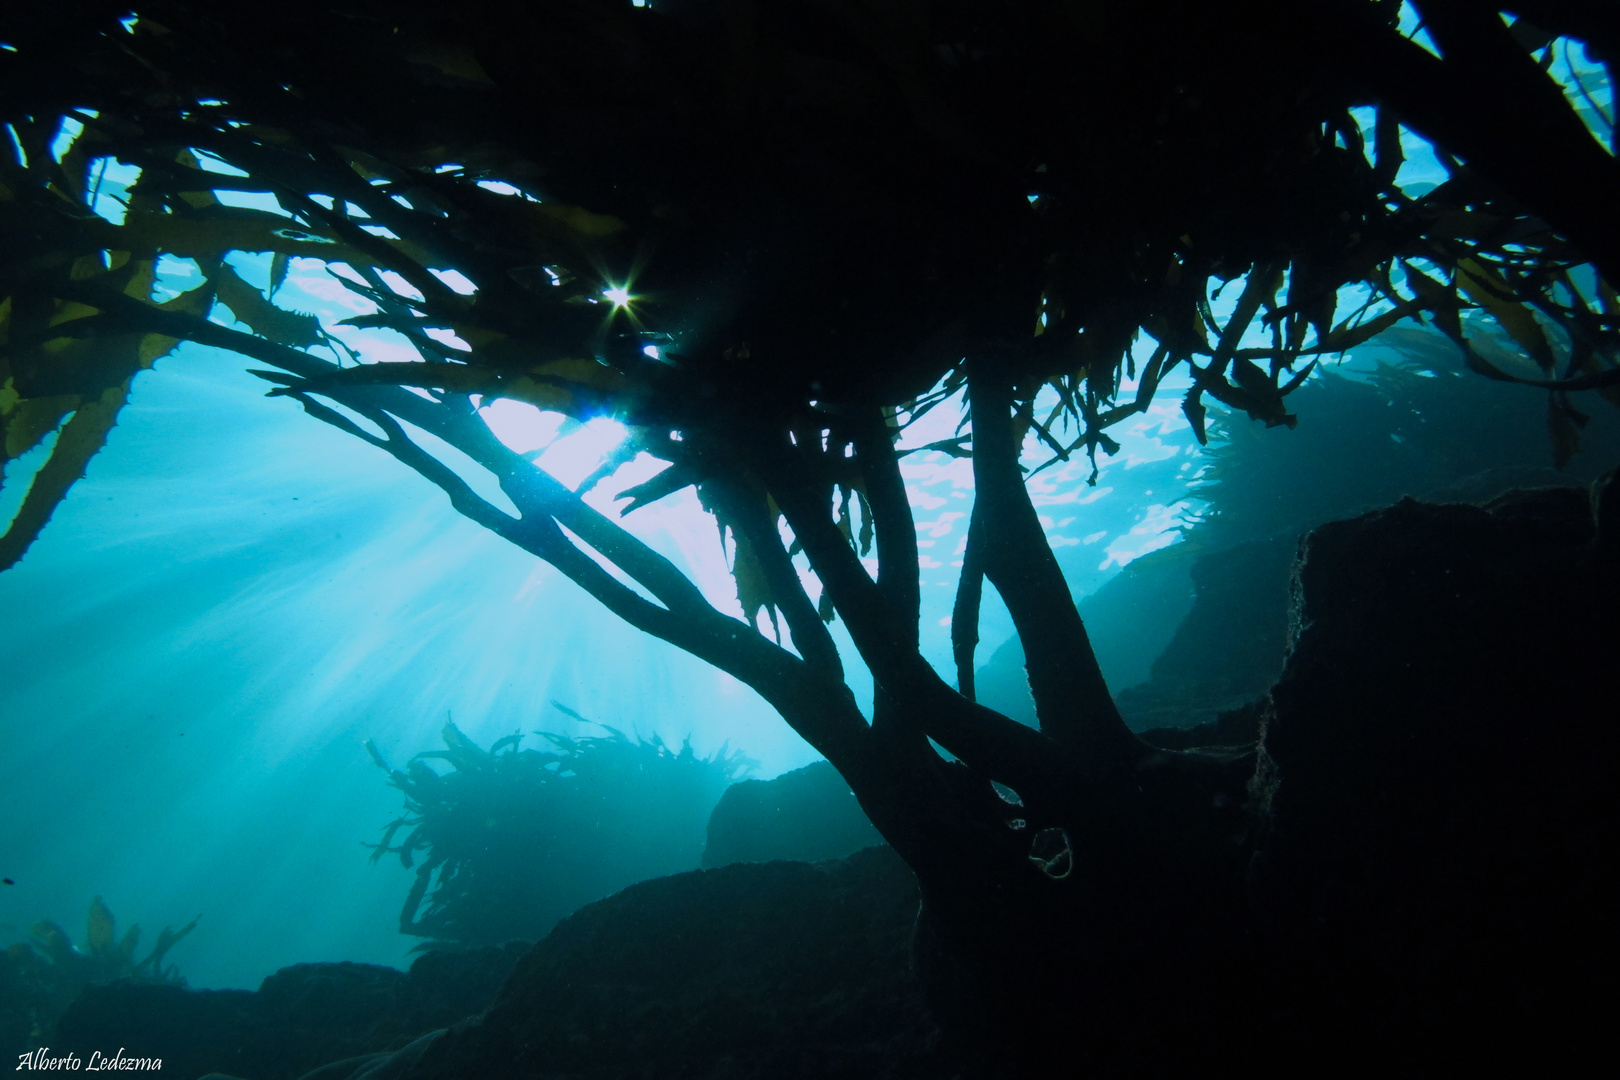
(619, 295)
(569, 455)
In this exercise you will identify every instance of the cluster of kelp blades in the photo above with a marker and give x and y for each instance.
(514, 174)
(509, 840)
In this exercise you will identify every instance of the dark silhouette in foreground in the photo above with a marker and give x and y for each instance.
(1426, 826)
(766, 239)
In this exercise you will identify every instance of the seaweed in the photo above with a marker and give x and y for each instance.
(41, 976)
(508, 840)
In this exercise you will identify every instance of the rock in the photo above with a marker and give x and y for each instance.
(1229, 648)
(1236, 729)
(1438, 774)
(808, 814)
(1130, 620)
(777, 970)
(300, 1017)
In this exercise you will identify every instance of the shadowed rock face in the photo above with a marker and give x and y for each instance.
(773, 970)
(1439, 784)
(808, 814)
(1230, 646)
(301, 1017)
(1433, 822)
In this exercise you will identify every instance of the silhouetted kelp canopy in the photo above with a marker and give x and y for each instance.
(769, 237)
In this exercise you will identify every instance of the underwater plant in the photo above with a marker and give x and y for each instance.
(506, 841)
(767, 238)
(40, 977)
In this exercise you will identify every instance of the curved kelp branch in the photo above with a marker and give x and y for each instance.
(825, 715)
(899, 573)
(404, 449)
(899, 569)
(1071, 698)
(989, 743)
(965, 611)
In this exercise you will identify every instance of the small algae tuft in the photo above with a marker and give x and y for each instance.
(42, 975)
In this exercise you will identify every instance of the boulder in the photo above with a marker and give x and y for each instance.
(299, 1018)
(1437, 779)
(808, 814)
(775, 971)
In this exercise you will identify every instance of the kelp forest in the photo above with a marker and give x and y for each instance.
(1352, 805)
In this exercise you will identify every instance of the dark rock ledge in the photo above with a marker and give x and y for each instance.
(771, 970)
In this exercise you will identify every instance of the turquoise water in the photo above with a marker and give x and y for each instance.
(237, 596)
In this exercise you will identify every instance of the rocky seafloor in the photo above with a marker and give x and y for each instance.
(1435, 814)
(778, 969)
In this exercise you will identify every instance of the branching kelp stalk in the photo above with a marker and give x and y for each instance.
(766, 237)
